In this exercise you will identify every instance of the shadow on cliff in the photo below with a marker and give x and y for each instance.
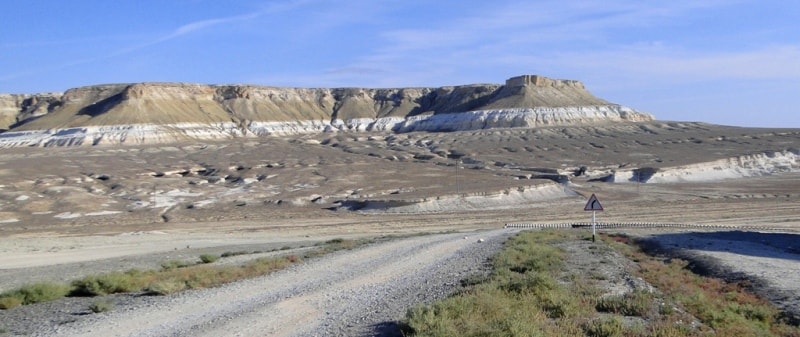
(22, 122)
(461, 99)
(101, 107)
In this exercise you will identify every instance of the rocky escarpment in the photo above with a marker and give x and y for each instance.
(158, 112)
(15, 109)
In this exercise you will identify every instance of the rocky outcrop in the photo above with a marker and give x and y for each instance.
(753, 165)
(15, 109)
(159, 112)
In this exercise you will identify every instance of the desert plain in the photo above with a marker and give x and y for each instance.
(71, 211)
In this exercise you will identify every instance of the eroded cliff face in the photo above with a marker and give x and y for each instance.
(17, 108)
(143, 112)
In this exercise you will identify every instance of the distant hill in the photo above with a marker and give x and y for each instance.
(161, 112)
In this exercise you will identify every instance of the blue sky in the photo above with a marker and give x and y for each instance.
(725, 62)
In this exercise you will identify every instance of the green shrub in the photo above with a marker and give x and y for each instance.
(34, 293)
(166, 287)
(111, 283)
(174, 264)
(209, 258)
(8, 301)
(604, 328)
(43, 292)
(265, 265)
(637, 303)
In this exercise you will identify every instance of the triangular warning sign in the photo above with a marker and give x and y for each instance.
(593, 204)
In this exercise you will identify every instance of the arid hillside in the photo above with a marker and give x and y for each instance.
(167, 112)
(128, 153)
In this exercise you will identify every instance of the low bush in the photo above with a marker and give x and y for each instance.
(112, 283)
(209, 258)
(638, 303)
(166, 287)
(174, 264)
(43, 292)
(35, 293)
(8, 301)
(611, 327)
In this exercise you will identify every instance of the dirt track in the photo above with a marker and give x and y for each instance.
(351, 293)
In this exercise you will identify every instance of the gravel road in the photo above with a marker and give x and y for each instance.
(361, 292)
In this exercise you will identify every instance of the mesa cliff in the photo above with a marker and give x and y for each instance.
(163, 112)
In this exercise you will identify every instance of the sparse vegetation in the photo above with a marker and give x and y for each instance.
(111, 283)
(174, 264)
(35, 293)
(209, 258)
(337, 244)
(638, 303)
(165, 287)
(8, 301)
(528, 295)
(726, 307)
(174, 276)
(609, 327)
(237, 253)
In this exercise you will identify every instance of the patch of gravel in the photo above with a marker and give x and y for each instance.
(360, 292)
(604, 267)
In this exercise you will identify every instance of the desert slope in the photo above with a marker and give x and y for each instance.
(163, 112)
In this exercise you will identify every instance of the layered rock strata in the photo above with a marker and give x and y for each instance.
(164, 112)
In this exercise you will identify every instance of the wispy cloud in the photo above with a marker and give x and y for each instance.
(562, 36)
(181, 31)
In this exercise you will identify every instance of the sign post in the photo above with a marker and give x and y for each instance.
(593, 205)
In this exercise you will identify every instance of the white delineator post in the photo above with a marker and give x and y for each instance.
(593, 205)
